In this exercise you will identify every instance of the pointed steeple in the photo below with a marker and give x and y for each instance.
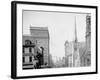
(76, 58)
(75, 31)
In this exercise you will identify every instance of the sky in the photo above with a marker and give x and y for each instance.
(61, 27)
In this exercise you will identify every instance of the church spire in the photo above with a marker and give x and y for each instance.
(76, 57)
(75, 31)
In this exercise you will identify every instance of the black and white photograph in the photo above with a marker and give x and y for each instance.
(54, 39)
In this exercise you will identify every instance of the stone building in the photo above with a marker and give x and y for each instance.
(86, 50)
(82, 51)
(88, 41)
(39, 36)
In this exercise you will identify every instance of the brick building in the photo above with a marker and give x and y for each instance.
(39, 36)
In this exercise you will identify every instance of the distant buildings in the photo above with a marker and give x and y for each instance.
(60, 62)
(38, 40)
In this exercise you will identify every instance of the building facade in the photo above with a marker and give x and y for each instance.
(88, 41)
(85, 51)
(69, 54)
(39, 43)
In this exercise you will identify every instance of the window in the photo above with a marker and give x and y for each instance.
(26, 50)
(23, 59)
(32, 50)
(30, 58)
(26, 59)
(28, 42)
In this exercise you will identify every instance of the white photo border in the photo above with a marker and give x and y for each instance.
(19, 72)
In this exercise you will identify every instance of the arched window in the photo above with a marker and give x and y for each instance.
(28, 42)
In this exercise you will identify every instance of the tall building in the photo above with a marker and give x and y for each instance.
(86, 50)
(88, 41)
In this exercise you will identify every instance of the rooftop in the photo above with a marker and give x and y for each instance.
(38, 28)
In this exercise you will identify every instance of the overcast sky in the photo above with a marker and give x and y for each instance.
(61, 27)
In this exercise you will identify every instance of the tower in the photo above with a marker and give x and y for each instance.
(88, 41)
(75, 40)
(76, 58)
